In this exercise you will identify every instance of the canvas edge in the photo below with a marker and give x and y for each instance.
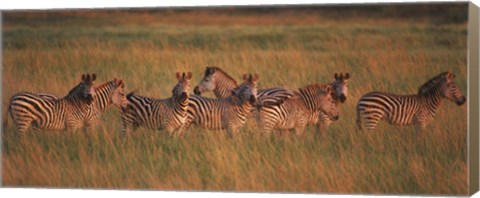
(473, 94)
(1, 98)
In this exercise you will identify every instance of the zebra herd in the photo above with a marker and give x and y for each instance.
(272, 109)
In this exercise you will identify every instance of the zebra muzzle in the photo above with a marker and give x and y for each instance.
(335, 117)
(461, 101)
(342, 98)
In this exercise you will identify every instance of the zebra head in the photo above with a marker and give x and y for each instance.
(119, 97)
(88, 90)
(340, 85)
(208, 81)
(182, 89)
(451, 90)
(216, 80)
(247, 91)
(329, 106)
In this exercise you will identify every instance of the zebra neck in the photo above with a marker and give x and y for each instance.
(103, 95)
(432, 101)
(310, 101)
(244, 104)
(178, 103)
(224, 88)
(74, 96)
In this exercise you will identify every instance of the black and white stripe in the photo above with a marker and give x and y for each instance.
(300, 110)
(111, 92)
(228, 113)
(418, 109)
(163, 114)
(222, 85)
(45, 111)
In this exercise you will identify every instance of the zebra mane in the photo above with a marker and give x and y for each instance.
(129, 95)
(73, 90)
(432, 84)
(312, 87)
(99, 87)
(212, 70)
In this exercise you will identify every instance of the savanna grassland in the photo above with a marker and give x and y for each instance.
(385, 48)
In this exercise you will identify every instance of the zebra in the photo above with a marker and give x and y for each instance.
(163, 114)
(45, 111)
(418, 109)
(228, 113)
(222, 85)
(105, 94)
(339, 84)
(300, 110)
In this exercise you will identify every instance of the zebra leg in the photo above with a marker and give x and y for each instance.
(89, 127)
(419, 130)
(72, 129)
(321, 128)
(359, 119)
(300, 128)
(233, 131)
(126, 124)
(371, 120)
(23, 124)
(173, 132)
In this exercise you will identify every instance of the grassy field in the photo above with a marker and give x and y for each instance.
(384, 48)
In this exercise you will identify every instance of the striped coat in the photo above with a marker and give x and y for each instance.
(418, 109)
(228, 113)
(163, 114)
(300, 110)
(222, 85)
(44, 111)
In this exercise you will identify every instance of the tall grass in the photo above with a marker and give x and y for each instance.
(386, 54)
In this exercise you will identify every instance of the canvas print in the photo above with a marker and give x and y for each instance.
(325, 99)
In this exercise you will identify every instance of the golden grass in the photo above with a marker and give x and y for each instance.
(145, 50)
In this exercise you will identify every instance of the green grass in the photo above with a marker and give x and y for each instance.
(382, 53)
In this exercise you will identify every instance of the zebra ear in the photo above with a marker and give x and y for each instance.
(83, 77)
(347, 76)
(189, 75)
(245, 77)
(183, 75)
(255, 77)
(209, 71)
(177, 74)
(328, 90)
(335, 75)
(94, 76)
(449, 75)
